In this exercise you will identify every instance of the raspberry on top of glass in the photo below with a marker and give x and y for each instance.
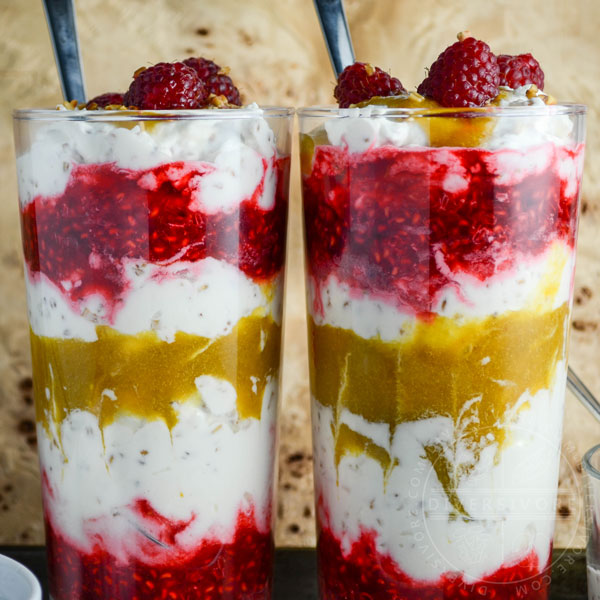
(466, 74)
(154, 248)
(440, 230)
(195, 82)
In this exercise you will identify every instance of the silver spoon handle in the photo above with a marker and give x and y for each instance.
(336, 33)
(60, 15)
(583, 393)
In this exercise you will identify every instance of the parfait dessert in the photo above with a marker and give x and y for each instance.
(440, 234)
(154, 242)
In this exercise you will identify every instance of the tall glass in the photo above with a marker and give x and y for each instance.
(154, 248)
(440, 254)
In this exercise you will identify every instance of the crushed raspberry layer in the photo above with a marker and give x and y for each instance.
(365, 574)
(240, 570)
(108, 214)
(400, 222)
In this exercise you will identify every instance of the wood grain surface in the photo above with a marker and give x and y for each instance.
(276, 55)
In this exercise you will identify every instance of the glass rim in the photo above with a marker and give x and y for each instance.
(586, 461)
(375, 110)
(53, 114)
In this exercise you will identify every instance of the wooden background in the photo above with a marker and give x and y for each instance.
(276, 56)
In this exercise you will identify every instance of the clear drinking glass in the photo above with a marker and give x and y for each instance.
(154, 247)
(591, 466)
(440, 251)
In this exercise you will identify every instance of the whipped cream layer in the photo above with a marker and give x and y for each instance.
(369, 127)
(235, 151)
(199, 475)
(541, 283)
(205, 298)
(509, 496)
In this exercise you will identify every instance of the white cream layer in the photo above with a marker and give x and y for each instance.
(510, 497)
(208, 468)
(543, 283)
(362, 128)
(235, 153)
(205, 298)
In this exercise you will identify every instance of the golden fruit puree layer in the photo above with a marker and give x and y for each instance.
(473, 371)
(142, 375)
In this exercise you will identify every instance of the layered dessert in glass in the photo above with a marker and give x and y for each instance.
(440, 245)
(154, 245)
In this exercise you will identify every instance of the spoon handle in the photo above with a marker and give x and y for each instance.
(583, 393)
(337, 35)
(60, 15)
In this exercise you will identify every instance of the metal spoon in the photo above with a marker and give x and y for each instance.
(579, 389)
(339, 45)
(336, 33)
(60, 15)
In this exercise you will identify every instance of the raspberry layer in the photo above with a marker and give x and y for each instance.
(366, 573)
(212, 571)
(403, 222)
(108, 215)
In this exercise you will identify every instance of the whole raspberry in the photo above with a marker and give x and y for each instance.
(204, 67)
(464, 74)
(362, 81)
(104, 100)
(166, 86)
(222, 85)
(216, 81)
(519, 70)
